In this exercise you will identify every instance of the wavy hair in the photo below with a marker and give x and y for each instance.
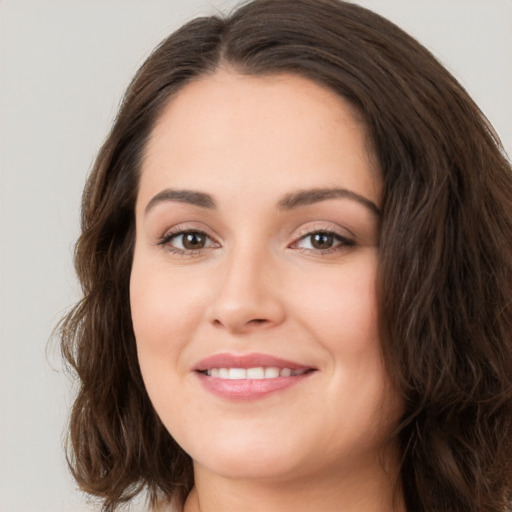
(445, 258)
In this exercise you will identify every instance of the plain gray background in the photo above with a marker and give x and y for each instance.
(63, 67)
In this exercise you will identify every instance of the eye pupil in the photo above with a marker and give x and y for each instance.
(322, 240)
(193, 240)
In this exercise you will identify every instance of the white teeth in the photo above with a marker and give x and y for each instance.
(255, 373)
(237, 373)
(271, 372)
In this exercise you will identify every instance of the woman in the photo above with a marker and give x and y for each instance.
(296, 263)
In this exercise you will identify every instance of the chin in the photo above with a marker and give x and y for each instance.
(252, 466)
(255, 457)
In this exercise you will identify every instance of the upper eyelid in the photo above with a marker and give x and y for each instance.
(311, 228)
(326, 231)
(302, 232)
(174, 234)
(187, 228)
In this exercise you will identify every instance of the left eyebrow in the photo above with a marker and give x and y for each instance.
(316, 195)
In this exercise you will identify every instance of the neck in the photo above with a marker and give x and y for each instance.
(371, 489)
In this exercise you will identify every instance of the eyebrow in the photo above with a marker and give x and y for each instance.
(288, 202)
(183, 196)
(316, 195)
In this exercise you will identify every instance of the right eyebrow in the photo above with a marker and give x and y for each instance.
(182, 196)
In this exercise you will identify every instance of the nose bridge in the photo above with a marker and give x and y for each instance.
(247, 294)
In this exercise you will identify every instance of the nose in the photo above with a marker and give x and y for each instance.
(248, 294)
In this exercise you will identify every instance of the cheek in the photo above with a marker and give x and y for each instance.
(341, 315)
(164, 305)
(341, 307)
(165, 309)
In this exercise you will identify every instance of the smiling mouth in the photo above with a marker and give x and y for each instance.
(250, 376)
(256, 373)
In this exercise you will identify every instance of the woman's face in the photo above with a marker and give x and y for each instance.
(253, 282)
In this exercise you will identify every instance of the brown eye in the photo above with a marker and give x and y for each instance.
(322, 240)
(187, 241)
(193, 240)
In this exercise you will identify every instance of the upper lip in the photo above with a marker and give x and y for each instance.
(226, 360)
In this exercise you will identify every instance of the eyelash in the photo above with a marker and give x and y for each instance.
(165, 241)
(341, 242)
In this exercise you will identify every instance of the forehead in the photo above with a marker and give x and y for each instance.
(228, 131)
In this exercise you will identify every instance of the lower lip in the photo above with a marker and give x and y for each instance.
(249, 389)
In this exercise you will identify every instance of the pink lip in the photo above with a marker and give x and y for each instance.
(226, 360)
(248, 389)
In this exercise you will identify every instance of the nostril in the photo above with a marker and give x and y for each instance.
(233, 325)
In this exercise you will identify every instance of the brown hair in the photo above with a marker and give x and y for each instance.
(445, 276)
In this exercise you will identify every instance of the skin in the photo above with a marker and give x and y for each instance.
(259, 284)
